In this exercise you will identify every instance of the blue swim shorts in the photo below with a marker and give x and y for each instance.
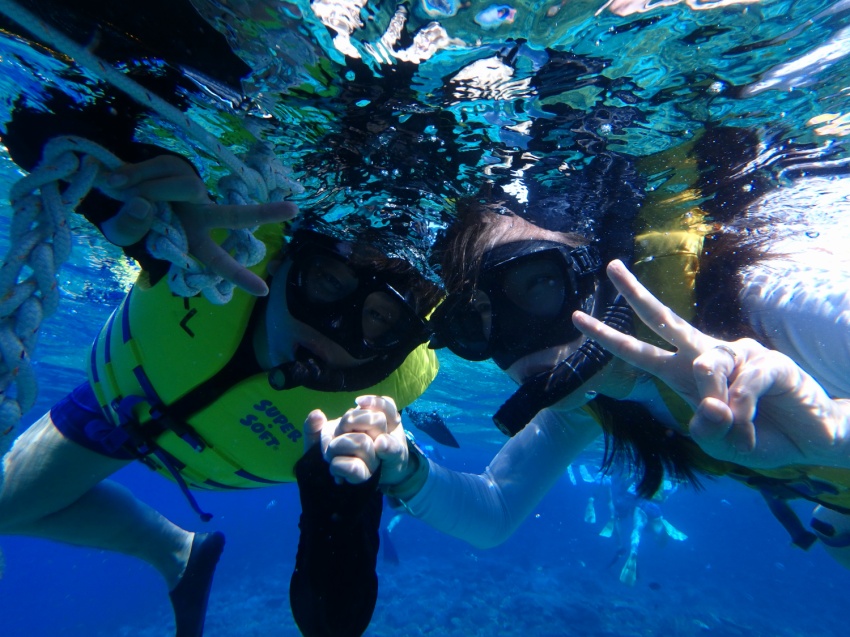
(79, 418)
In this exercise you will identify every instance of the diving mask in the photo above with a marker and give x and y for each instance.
(522, 302)
(351, 304)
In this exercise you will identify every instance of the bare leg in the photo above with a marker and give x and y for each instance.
(53, 488)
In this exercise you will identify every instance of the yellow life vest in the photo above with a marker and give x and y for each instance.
(158, 348)
(670, 233)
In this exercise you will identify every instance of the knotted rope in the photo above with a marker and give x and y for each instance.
(168, 241)
(40, 234)
(40, 241)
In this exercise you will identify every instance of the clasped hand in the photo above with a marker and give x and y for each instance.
(752, 405)
(365, 438)
(168, 178)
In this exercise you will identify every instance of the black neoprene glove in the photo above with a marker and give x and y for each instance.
(334, 587)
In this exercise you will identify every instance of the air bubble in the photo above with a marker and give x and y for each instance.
(715, 88)
(590, 395)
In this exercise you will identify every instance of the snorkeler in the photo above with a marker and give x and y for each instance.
(212, 396)
(331, 326)
(528, 297)
(336, 321)
(629, 516)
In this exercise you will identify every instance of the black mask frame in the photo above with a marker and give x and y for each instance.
(341, 318)
(502, 326)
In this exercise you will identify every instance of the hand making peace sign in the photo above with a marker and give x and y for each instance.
(172, 179)
(753, 406)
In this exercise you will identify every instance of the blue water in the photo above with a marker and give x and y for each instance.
(736, 574)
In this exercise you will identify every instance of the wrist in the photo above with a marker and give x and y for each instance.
(414, 480)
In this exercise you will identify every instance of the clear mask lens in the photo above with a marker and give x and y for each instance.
(523, 303)
(351, 306)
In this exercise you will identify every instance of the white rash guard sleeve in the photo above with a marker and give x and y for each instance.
(803, 313)
(798, 299)
(485, 509)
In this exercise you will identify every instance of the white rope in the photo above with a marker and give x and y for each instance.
(168, 241)
(40, 242)
(40, 236)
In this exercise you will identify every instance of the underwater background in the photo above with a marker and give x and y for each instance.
(567, 78)
(736, 574)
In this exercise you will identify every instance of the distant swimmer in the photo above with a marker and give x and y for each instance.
(626, 507)
(390, 552)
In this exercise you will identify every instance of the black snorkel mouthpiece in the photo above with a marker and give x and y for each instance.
(547, 388)
(313, 373)
(307, 373)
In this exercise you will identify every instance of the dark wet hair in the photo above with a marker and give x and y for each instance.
(740, 171)
(596, 204)
(637, 441)
(457, 253)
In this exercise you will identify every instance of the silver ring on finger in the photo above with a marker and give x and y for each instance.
(728, 350)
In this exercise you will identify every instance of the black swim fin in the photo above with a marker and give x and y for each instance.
(189, 598)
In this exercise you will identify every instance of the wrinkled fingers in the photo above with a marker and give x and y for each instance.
(628, 348)
(352, 457)
(714, 429)
(163, 178)
(713, 370)
(384, 404)
(245, 216)
(657, 316)
(130, 225)
(351, 470)
(181, 188)
(367, 421)
(224, 265)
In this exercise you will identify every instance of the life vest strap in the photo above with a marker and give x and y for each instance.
(782, 511)
(777, 492)
(178, 478)
(140, 438)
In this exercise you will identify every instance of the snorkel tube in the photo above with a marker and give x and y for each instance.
(615, 240)
(549, 387)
